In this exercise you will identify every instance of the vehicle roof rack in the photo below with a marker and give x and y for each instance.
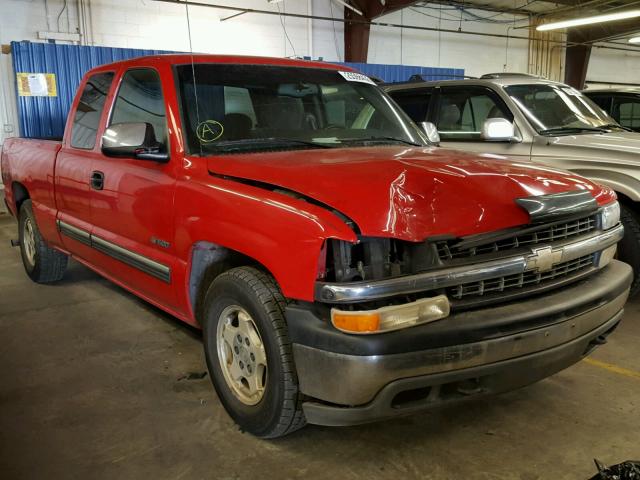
(419, 77)
(508, 75)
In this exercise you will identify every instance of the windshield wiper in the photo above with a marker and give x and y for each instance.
(380, 139)
(616, 125)
(573, 129)
(257, 143)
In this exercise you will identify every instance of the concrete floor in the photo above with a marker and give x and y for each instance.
(92, 386)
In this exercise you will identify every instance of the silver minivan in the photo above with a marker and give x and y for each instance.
(529, 118)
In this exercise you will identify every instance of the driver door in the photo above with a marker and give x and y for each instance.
(460, 112)
(132, 205)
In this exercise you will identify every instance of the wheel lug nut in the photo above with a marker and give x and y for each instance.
(236, 349)
(253, 357)
(246, 340)
(239, 338)
(241, 365)
(249, 368)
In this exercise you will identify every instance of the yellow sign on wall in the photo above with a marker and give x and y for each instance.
(36, 84)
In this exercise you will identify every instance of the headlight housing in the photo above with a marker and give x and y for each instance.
(393, 317)
(610, 216)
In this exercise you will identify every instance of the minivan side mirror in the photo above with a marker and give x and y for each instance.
(498, 130)
(431, 131)
(134, 139)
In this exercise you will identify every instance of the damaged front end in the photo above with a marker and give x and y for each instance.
(380, 284)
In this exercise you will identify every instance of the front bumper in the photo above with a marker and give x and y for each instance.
(354, 379)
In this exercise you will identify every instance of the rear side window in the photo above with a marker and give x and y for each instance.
(89, 110)
(415, 103)
(140, 100)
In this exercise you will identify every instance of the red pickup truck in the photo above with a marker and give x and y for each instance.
(342, 268)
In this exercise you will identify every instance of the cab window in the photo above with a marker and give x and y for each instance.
(89, 110)
(463, 111)
(140, 100)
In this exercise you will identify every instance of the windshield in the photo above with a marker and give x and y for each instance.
(559, 108)
(244, 108)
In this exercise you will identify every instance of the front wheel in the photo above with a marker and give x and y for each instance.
(42, 263)
(629, 246)
(249, 354)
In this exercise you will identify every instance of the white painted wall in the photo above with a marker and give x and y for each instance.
(614, 66)
(476, 54)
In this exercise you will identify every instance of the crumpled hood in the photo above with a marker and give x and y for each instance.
(409, 193)
(622, 147)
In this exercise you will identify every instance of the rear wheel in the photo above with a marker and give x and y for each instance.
(42, 263)
(249, 354)
(629, 246)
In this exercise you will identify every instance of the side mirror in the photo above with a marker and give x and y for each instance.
(137, 140)
(431, 131)
(498, 130)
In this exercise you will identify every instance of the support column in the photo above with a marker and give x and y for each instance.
(356, 39)
(576, 63)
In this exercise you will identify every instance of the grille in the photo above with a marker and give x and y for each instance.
(520, 280)
(546, 234)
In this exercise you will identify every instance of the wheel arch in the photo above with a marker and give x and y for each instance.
(19, 194)
(209, 260)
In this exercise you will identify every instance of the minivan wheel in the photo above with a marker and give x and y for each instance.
(629, 246)
(249, 355)
(42, 263)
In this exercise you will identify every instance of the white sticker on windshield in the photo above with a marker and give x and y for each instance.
(356, 77)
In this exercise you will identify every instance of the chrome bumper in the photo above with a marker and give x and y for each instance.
(354, 292)
(563, 316)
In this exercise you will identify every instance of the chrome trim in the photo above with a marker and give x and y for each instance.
(74, 232)
(353, 292)
(543, 208)
(140, 262)
(132, 259)
(354, 380)
(361, 291)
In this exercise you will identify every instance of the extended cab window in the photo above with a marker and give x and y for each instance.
(414, 102)
(463, 111)
(250, 108)
(140, 100)
(89, 110)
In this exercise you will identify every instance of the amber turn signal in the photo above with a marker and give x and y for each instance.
(356, 322)
(393, 317)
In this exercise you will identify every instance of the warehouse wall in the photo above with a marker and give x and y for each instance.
(476, 54)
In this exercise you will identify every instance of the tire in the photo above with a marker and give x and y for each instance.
(629, 246)
(244, 300)
(42, 263)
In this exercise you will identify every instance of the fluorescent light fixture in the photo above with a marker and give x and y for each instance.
(609, 17)
(634, 40)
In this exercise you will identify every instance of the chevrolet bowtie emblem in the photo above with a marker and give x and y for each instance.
(543, 259)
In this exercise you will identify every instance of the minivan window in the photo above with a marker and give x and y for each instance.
(140, 100)
(555, 109)
(89, 110)
(248, 108)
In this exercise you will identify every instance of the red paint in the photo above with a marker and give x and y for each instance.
(401, 192)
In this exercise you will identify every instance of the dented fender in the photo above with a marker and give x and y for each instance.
(283, 234)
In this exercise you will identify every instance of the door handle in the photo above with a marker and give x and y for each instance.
(97, 180)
